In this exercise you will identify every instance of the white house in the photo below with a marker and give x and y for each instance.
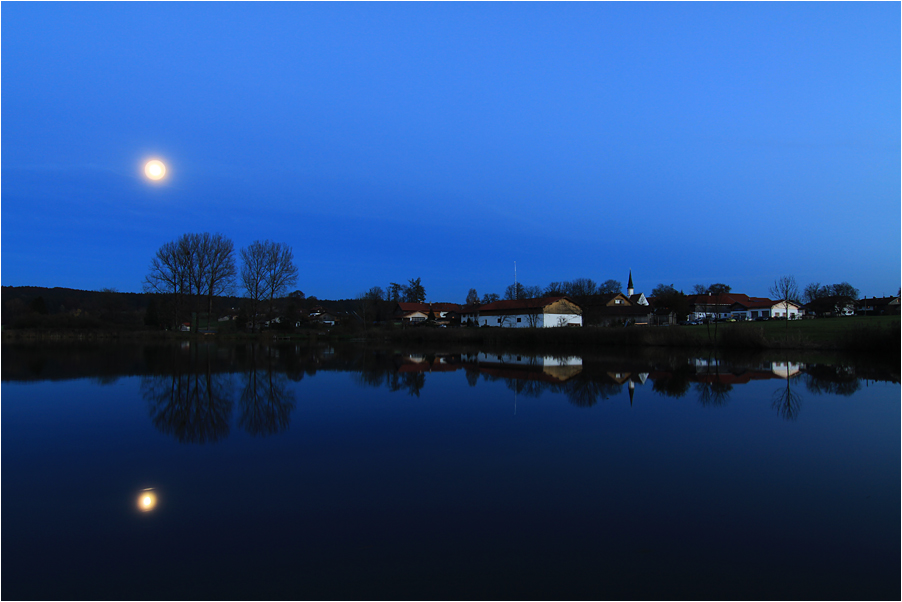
(543, 312)
(756, 307)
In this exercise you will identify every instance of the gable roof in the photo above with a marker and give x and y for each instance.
(522, 304)
(722, 299)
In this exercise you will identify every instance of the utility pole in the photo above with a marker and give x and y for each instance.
(516, 288)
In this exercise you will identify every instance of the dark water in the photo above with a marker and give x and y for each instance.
(290, 472)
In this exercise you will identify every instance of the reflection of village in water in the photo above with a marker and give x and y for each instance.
(195, 390)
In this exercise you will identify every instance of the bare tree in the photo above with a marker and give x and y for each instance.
(253, 274)
(581, 288)
(280, 273)
(812, 292)
(830, 298)
(191, 266)
(168, 276)
(472, 297)
(521, 291)
(220, 267)
(609, 287)
(514, 291)
(786, 290)
(556, 289)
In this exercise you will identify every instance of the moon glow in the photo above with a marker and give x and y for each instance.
(147, 500)
(155, 170)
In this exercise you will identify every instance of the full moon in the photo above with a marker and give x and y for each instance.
(147, 500)
(155, 170)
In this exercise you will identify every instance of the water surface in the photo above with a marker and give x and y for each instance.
(295, 472)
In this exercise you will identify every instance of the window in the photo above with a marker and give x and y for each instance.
(499, 320)
(518, 319)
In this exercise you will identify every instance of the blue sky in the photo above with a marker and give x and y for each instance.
(691, 143)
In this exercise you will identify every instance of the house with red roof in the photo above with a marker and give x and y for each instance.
(757, 307)
(541, 312)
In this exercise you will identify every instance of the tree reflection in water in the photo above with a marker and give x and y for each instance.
(193, 407)
(528, 388)
(786, 401)
(834, 380)
(713, 392)
(675, 383)
(712, 386)
(266, 402)
(585, 393)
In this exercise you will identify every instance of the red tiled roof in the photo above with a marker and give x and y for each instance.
(524, 304)
(756, 303)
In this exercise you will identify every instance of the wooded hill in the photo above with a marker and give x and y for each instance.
(35, 306)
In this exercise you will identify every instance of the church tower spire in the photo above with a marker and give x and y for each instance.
(629, 286)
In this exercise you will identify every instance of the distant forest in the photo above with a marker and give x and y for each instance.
(40, 307)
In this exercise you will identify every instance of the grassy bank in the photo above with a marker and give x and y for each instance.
(860, 334)
(853, 334)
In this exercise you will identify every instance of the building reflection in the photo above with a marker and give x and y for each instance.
(195, 389)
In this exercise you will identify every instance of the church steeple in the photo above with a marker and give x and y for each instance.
(629, 286)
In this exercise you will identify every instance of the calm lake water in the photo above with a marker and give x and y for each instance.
(296, 472)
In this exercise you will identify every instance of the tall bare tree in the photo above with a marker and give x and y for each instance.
(580, 288)
(267, 272)
(281, 273)
(220, 273)
(192, 266)
(168, 276)
(253, 270)
(785, 289)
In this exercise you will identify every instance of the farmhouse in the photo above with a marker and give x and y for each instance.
(877, 306)
(617, 308)
(756, 307)
(542, 312)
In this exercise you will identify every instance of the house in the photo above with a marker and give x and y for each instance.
(708, 306)
(542, 312)
(829, 307)
(411, 313)
(466, 314)
(877, 306)
(755, 308)
(324, 318)
(616, 308)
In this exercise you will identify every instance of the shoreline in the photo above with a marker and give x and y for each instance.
(855, 334)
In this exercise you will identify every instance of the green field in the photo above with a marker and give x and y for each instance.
(844, 332)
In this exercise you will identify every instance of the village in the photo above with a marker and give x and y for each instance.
(631, 308)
